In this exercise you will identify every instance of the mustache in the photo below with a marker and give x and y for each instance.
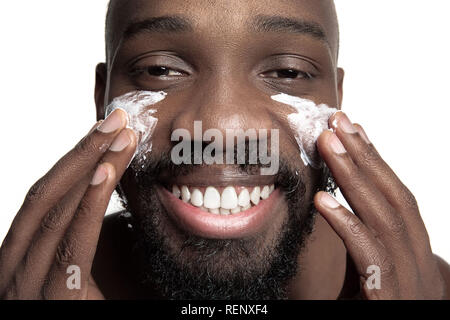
(288, 177)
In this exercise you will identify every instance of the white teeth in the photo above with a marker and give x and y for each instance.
(197, 198)
(271, 188)
(265, 193)
(229, 199)
(255, 195)
(244, 198)
(215, 211)
(236, 210)
(185, 194)
(227, 203)
(211, 199)
(176, 191)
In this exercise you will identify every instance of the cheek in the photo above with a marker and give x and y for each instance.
(162, 135)
(306, 121)
(167, 111)
(142, 119)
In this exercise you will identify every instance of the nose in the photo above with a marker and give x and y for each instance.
(223, 103)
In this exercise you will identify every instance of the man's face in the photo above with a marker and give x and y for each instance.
(219, 63)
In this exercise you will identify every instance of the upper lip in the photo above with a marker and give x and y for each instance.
(217, 175)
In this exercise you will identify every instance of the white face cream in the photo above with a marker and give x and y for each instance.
(140, 118)
(308, 122)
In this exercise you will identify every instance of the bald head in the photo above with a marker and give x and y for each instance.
(121, 13)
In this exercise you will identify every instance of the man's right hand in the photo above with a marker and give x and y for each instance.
(59, 222)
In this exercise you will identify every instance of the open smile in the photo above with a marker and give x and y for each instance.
(221, 212)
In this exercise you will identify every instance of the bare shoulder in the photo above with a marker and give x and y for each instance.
(444, 268)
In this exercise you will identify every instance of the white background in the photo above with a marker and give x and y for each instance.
(397, 60)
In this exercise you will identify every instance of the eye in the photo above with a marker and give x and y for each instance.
(159, 71)
(156, 71)
(288, 74)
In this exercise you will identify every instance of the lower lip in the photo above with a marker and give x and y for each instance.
(215, 226)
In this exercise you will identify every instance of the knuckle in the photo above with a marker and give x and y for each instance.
(84, 208)
(387, 268)
(354, 225)
(49, 226)
(52, 222)
(410, 200)
(64, 254)
(368, 157)
(87, 146)
(37, 191)
(28, 261)
(396, 227)
(89, 211)
(357, 183)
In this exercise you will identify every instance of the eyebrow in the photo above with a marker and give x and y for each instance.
(261, 23)
(158, 24)
(289, 25)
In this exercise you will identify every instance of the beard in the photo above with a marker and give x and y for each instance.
(187, 266)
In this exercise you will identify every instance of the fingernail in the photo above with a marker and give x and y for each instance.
(100, 175)
(336, 144)
(344, 124)
(121, 142)
(329, 201)
(363, 134)
(113, 122)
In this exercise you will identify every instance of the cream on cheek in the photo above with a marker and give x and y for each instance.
(141, 119)
(307, 122)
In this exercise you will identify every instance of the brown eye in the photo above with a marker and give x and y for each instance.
(160, 71)
(288, 74)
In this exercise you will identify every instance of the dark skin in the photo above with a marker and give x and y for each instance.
(218, 71)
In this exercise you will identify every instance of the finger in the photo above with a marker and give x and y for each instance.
(73, 166)
(43, 248)
(45, 193)
(362, 246)
(362, 195)
(77, 247)
(122, 151)
(370, 205)
(24, 265)
(368, 160)
(404, 201)
(30, 272)
(86, 224)
(366, 157)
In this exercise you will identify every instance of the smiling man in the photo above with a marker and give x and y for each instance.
(212, 230)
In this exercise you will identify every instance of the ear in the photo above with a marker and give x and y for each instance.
(340, 84)
(101, 76)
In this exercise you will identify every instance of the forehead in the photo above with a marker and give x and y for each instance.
(222, 17)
